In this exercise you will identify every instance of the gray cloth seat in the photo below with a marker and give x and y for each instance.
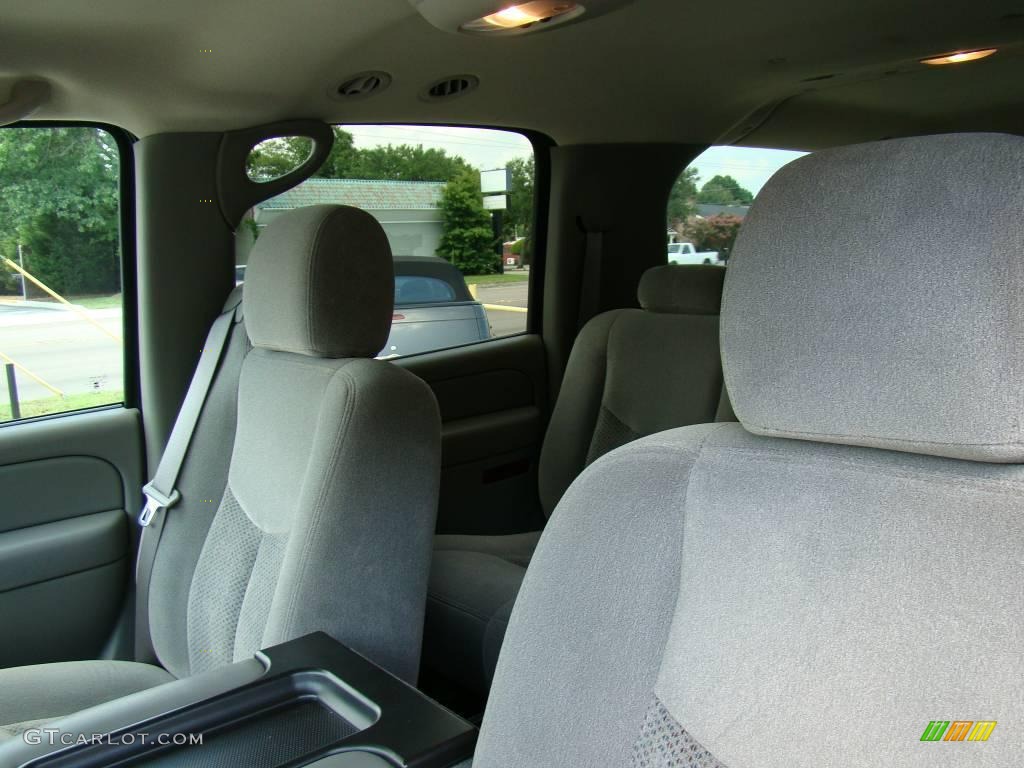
(48, 691)
(317, 527)
(632, 372)
(816, 585)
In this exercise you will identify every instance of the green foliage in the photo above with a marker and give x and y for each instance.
(67, 259)
(338, 164)
(682, 198)
(60, 202)
(518, 219)
(406, 163)
(715, 233)
(467, 241)
(275, 157)
(724, 190)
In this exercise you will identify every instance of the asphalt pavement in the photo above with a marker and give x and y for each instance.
(62, 348)
(513, 295)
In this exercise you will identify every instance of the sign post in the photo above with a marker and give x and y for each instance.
(494, 185)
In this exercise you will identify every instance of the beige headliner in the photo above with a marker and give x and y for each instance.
(658, 70)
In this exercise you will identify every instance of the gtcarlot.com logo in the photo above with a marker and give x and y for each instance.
(958, 730)
(54, 737)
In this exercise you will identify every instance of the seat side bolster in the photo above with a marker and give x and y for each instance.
(564, 454)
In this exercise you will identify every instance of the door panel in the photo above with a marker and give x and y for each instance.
(493, 405)
(69, 486)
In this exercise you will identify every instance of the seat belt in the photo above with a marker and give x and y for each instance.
(161, 492)
(592, 273)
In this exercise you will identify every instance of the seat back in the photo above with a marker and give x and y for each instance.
(634, 372)
(836, 579)
(322, 517)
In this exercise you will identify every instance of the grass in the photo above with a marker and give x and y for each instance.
(509, 277)
(30, 408)
(97, 302)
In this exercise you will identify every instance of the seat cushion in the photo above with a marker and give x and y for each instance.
(474, 582)
(35, 694)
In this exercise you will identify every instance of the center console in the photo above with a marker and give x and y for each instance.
(309, 702)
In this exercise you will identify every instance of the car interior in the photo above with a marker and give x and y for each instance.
(354, 417)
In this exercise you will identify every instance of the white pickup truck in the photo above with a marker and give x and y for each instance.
(685, 253)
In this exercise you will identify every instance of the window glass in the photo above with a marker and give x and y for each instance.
(410, 289)
(61, 343)
(711, 198)
(457, 206)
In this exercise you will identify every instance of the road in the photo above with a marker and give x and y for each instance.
(66, 351)
(504, 322)
(61, 348)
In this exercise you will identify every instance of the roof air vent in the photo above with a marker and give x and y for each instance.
(450, 87)
(364, 84)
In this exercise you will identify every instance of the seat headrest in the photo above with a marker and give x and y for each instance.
(320, 282)
(875, 297)
(694, 289)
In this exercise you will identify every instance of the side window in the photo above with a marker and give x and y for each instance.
(457, 205)
(61, 345)
(710, 200)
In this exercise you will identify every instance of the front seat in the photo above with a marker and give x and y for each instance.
(326, 508)
(812, 587)
(632, 372)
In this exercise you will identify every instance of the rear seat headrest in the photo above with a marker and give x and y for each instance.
(320, 282)
(682, 289)
(875, 297)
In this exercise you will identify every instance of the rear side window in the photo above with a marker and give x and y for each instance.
(711, 198)
(457, 205)
(422, 290)
(61, 307)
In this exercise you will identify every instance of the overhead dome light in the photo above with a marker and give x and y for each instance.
(511, 18)
(959, 57)
(524, 15)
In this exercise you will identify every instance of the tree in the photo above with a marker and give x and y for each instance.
(724, 190)
(682, 198)
(519, 216)
(339, 163)
(60, 202)
(467, 239)
(715, 233)
(275, 157)
(517, 224)
(405, 163)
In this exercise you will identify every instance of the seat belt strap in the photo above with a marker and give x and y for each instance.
(592, 277)
(161, 492)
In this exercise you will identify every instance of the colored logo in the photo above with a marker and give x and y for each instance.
(958, 730)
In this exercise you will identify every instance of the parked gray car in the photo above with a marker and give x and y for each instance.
(433, 308)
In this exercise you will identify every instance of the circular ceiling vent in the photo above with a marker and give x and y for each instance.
(450, 87)
(363, 85)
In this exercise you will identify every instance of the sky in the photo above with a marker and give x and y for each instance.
(750, 167)
(480, 147)
(486, 149)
